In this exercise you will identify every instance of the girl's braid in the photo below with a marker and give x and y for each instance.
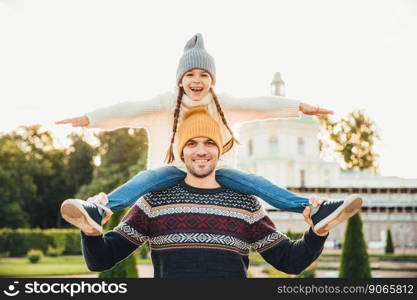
(229, 145)
(169, 158)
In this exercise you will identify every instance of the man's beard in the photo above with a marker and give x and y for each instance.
(200, 173)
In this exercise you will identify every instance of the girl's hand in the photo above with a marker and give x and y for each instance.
(76, 122)
(314, 110)
(315, 201)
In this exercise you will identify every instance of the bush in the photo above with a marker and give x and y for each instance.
(67, 239)
(389, 246)
(54, 252)
(144, 250)
(34, 255)
(355, 260)
(17, 242)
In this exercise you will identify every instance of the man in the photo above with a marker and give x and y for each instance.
(198, 228)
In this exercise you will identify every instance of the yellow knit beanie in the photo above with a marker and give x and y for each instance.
(197, 122)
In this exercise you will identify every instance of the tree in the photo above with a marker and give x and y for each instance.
(389, 246)
(355, 260)
(353, 139)
(80, 162)
(25, 164)
(120, 152)
(35, 176)
(16, 184)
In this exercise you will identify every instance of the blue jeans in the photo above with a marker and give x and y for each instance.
(162, 178)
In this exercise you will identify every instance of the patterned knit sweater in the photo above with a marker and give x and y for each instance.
(195, 233)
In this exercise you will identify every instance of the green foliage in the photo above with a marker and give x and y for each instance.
(353, 139)
(54, 252)
(35, 177)
(123, 153)
(355, 260)
(34, 255)
(389, 246)
(255, 259)
(80, 163)
(144, 251)
(16, 242)
(15, 184)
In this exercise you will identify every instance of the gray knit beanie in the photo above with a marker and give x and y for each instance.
(196, 57)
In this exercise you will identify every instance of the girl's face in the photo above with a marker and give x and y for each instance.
(196, 84)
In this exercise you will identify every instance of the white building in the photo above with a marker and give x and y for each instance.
(287, 152)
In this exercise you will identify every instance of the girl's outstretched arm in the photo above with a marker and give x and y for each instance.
(75, 122)
(265, 107)
(308, 109)
(139, 114)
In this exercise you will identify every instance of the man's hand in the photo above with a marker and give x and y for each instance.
(314, 201)
(314, 110)
(76, 122)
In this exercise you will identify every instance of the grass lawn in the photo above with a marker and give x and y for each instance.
(62, 265)
(47, 266)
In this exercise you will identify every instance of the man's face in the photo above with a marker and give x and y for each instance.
(200, 156)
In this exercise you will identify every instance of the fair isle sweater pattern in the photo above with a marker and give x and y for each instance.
(183, 218)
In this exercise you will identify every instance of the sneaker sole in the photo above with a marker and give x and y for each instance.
(350, 207)
(75, 214)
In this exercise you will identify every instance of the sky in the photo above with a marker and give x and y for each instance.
(62, 59)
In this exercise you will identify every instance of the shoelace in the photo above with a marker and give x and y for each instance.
(330, 202)
(89, 204)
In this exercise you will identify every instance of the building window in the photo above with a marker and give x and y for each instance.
(302, 178)
(273, 145)
(300, 144)
(250, 147)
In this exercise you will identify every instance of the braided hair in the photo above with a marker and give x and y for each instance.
(230, 143)
(169, 158)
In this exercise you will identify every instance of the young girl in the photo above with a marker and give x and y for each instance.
(196, 77)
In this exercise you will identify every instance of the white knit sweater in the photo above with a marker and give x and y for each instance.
(157, 116)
